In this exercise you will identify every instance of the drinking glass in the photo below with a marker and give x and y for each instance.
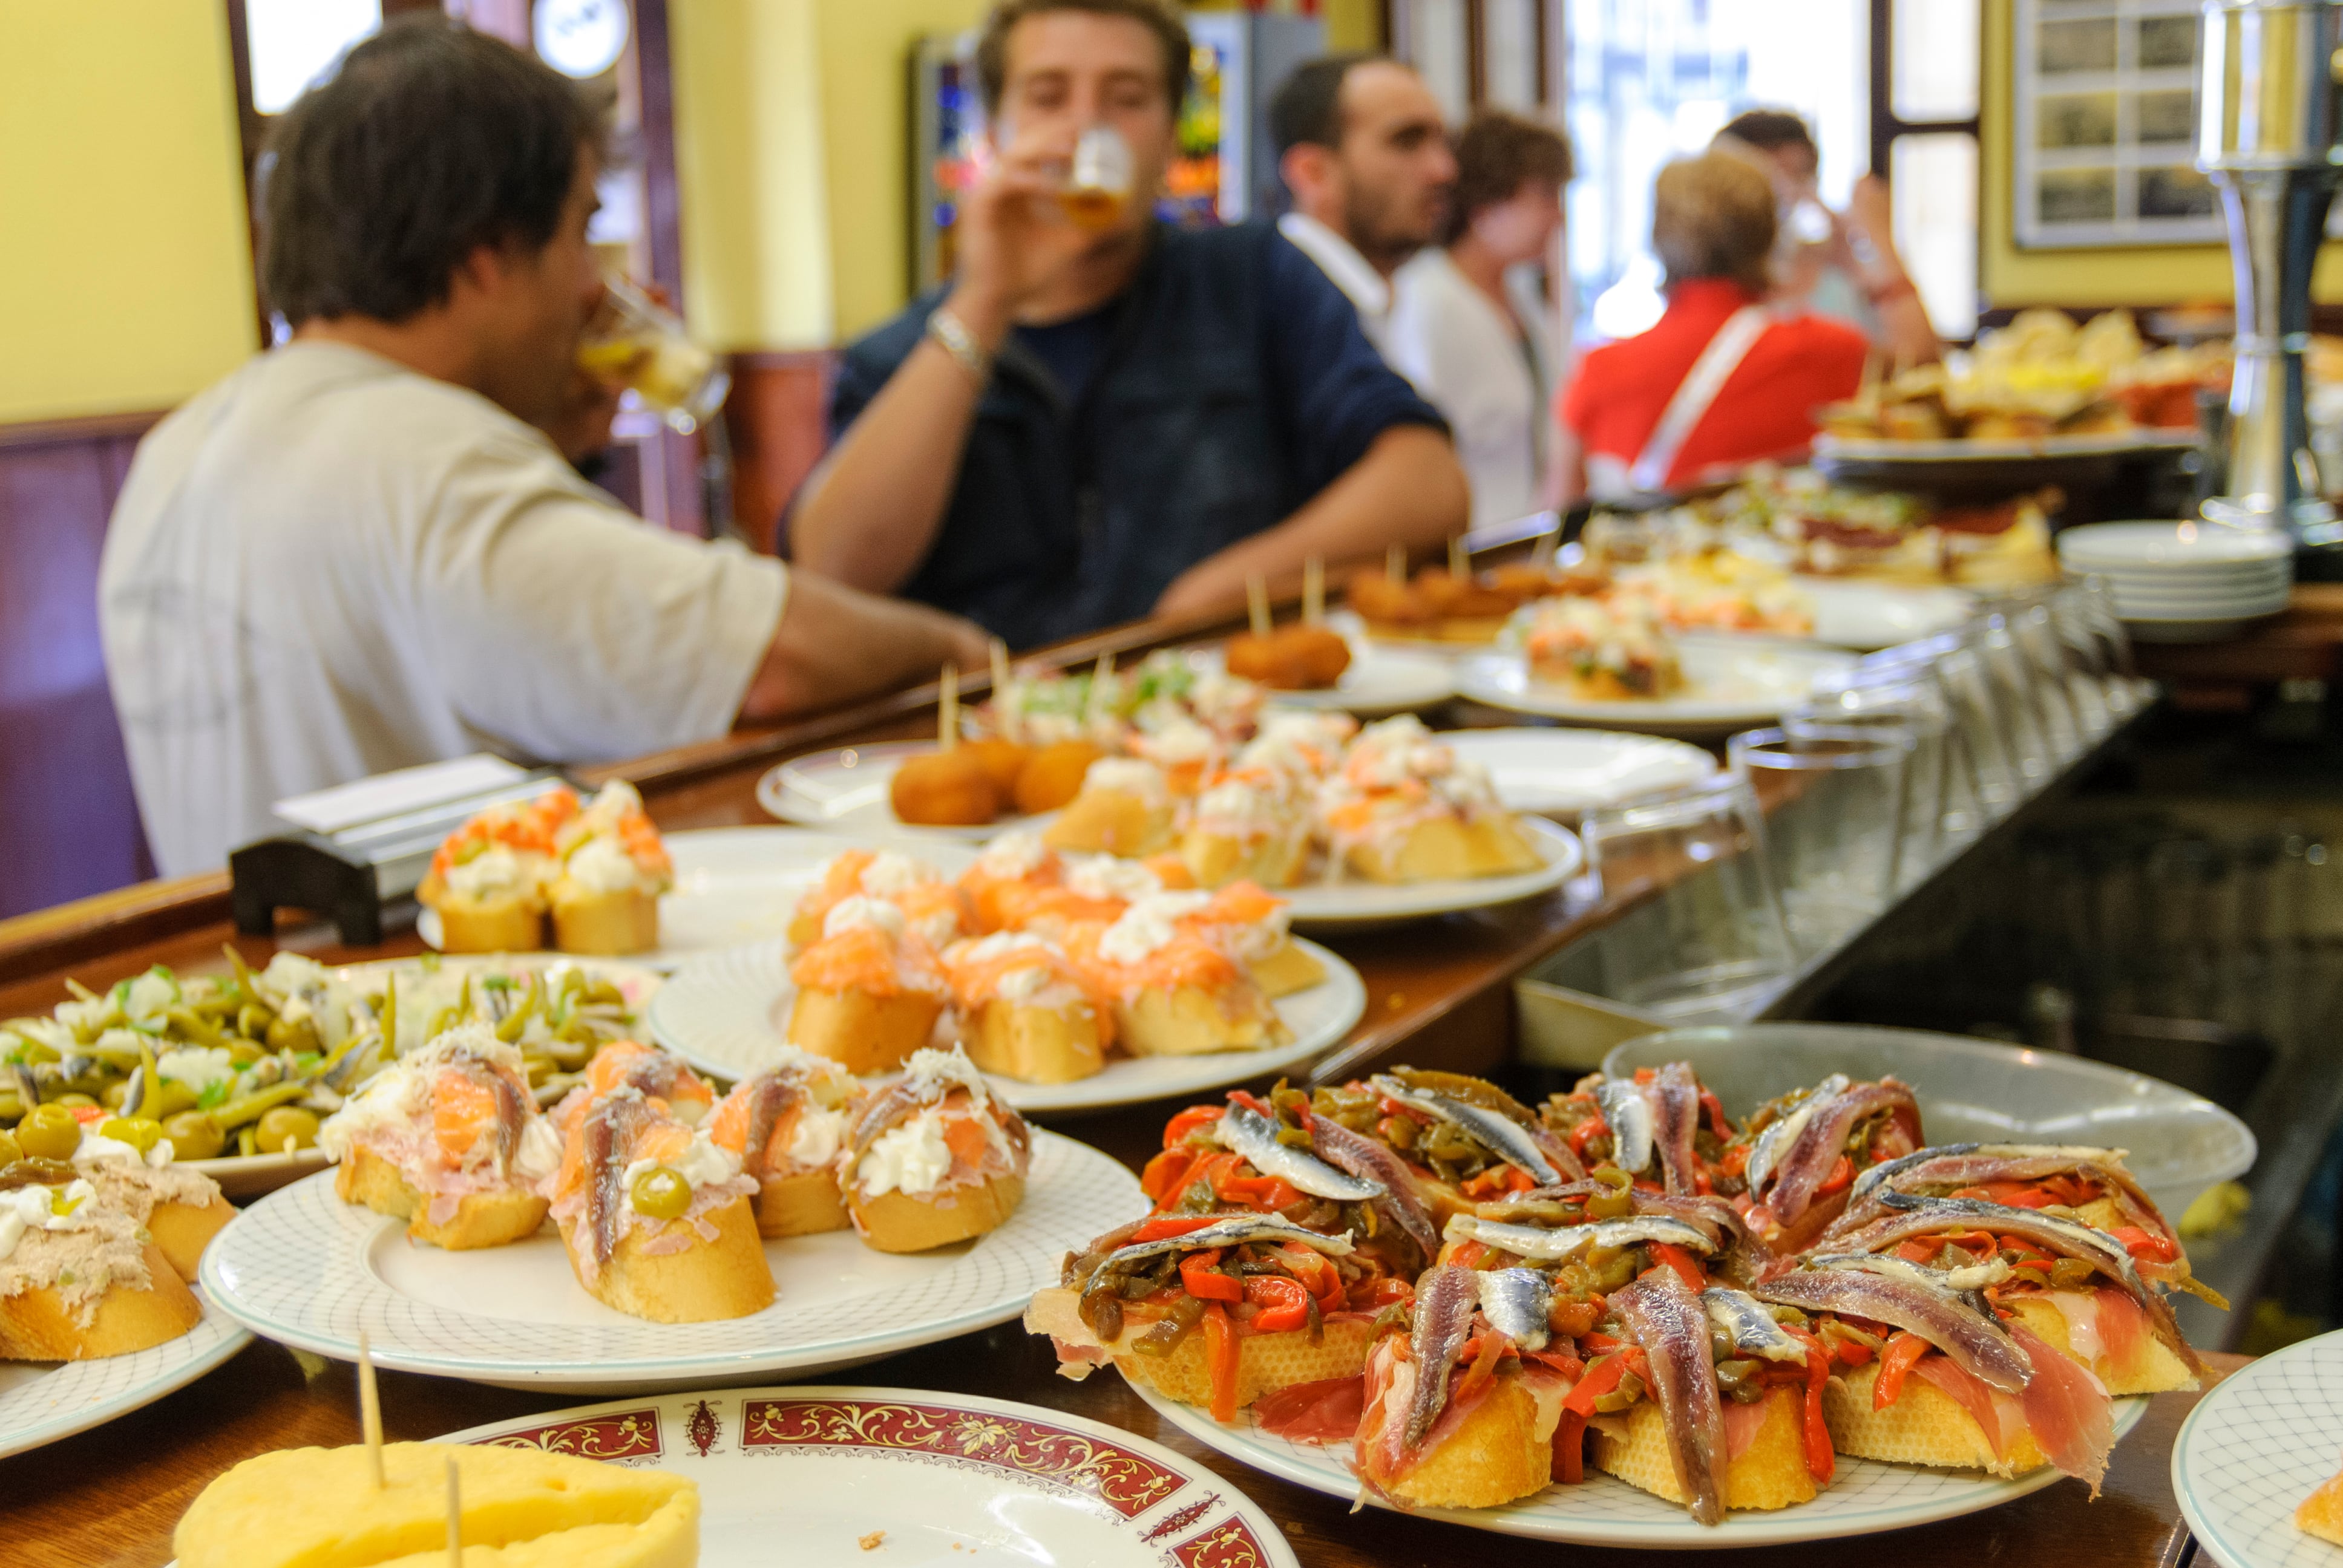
(1098, 182)
(2090, 679)
(1837, 830)
(1721, 948)
(2033, 748)
(1939, 807)
(640, 345)
(1948, 664)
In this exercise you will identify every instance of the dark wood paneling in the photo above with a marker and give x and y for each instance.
(68, 823)
(778, 417)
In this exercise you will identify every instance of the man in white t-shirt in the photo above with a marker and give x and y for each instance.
(362, 551)
(1363, 152)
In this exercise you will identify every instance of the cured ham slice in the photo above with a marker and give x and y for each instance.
(1327, 1410)
(2067, 1409)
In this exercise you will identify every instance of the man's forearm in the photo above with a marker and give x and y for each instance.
(1408, 489)
(835, 644)
(872, 509)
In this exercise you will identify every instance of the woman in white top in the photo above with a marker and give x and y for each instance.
(1476, 343)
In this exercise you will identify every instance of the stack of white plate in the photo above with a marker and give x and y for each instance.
(2183, 582)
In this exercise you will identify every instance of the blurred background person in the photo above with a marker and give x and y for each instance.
(1364, 154)
(1469, 326)
(1724, 378)
(1091, 423)
(1841, 264)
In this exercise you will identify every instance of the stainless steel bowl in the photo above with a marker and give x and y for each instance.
(1972, 1090)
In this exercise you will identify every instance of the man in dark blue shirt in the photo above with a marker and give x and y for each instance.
(1094, 425)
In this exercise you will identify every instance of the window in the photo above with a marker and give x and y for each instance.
(1924, 138)
(293, 41)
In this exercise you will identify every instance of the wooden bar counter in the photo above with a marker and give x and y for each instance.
(1438, 994)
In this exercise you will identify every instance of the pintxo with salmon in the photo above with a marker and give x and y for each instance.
(788, 1126)
(933, 1157)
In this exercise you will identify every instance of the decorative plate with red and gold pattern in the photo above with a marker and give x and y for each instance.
(821, 1475)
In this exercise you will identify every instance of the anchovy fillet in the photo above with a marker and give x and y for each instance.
(1966, 1282)
(1250, 1133)
(1493, 1131)
(1806, 1162)
(1629, 1115)
(1516, 1301)
(1444, 1300)
(1674, 1096)
(1233, 1231)
(1661, 1314)
(1976, 1343)
(2069, 1152)
(1784, 1130)
(613, 1124)
(1957, 1165)
(1402, 1202)
(1551, 1246)
(1749, 1327)
(769, 1094)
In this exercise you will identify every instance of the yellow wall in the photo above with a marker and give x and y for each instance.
(2131, 275)
(124, 265)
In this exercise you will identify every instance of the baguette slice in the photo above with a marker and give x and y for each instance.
(1035, 1045)
(863, 1033)
(182, 1232)
(1446, 848)
(1770, 1474)
(2155, 1370)
(805, 1205)
(1923, 1426)
(901, 1222)
(38, 1325)
(2321, 1512)
(514, 924)
(1112, 822)
(1286, 971)
(1272, 860)
(1266, 1363)
(1503, 1451)
(492, 1218)
(725, 1278)
(587, 920)
(1190, 1021)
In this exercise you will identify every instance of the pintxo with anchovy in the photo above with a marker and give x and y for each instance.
(1462, 1140)
(1793, 1166)
(1661, 1127)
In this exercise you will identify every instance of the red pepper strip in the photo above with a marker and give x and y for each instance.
(1196, 1273)
(1645, 1074)
(1166, 1175)
(1176, 1131)
(1562, 1361)
(1593, 1127)
(1482, 1351)
(1317, 1273)
(1467, 1255)
(2139, 1243)
(1735, 1160)
(1820, 1458)
(1895, 1359)
(1499, 1179)
(1283, 1303)
(1251, 1103)
(1851, 1352)
(1164, 1225)
(1221, 1353)
(1391, 1107)
(1266, 1193)
(1382, 1291)
(1687, 1270)
(1570, 1437)
(1599, 1344)
(1717, 1122)
(1841, 1174)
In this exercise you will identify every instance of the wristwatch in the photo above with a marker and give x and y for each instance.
(951, 334)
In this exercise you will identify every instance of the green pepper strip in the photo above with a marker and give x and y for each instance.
(517, 1020)
(245, 981)
(249, 1108)
(150, 1085)
(194, 1028)
(388, 1022)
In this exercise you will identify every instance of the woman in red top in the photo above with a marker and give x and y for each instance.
(1724, 379)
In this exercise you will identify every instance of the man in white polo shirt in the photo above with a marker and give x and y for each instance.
(361, 551)
(1365, 155)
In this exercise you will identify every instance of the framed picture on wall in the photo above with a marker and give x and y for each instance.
(2104, 122)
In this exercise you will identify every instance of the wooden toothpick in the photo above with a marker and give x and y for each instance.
(998, 650)
(948, 711)
(1396, 565)
(455, 1517)
(1257, 603)
(1460, 565)
(1314, 590)
(369, 1411)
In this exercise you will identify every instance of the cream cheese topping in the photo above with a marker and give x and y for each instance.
(601, 865)
(818, 1137)
(1014, 856)
(854, 913)
(890, 875)
(495, 872)
(97, 1149)
(37, 1209)
(1143, 931)
(910, 1157)
(703, 1163)
(1129, 776)
(1110, 877)
(539, 1154)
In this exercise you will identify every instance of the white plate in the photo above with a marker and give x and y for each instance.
(41, 1401)
(1878, 448)
(1353, 906)
(1865, 1498)
(1561, 772)
(740, 885)
(725, 1014)
(1867, 617)
(845, 792)
(948, 1477)
(1730, 683)
(2254, 1448)
(2172, 546)
(1380, 681)
(306, 1269)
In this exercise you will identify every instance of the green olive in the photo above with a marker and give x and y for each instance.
(661, 1193)
(10, 1150)
(75, 1097)
(194, 1136)
(113, 1094)
(50, 1133)
(287, 1127)
(294, 1037)
(138, 1132)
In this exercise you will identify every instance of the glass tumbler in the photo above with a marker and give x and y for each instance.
(1722, 950)
(1836, 831)
(1987, 765)
(640, 345)
(1938, 808)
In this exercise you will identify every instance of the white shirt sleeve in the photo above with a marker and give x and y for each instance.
(570, 628)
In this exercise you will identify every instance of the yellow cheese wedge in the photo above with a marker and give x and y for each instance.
(523, 1508)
